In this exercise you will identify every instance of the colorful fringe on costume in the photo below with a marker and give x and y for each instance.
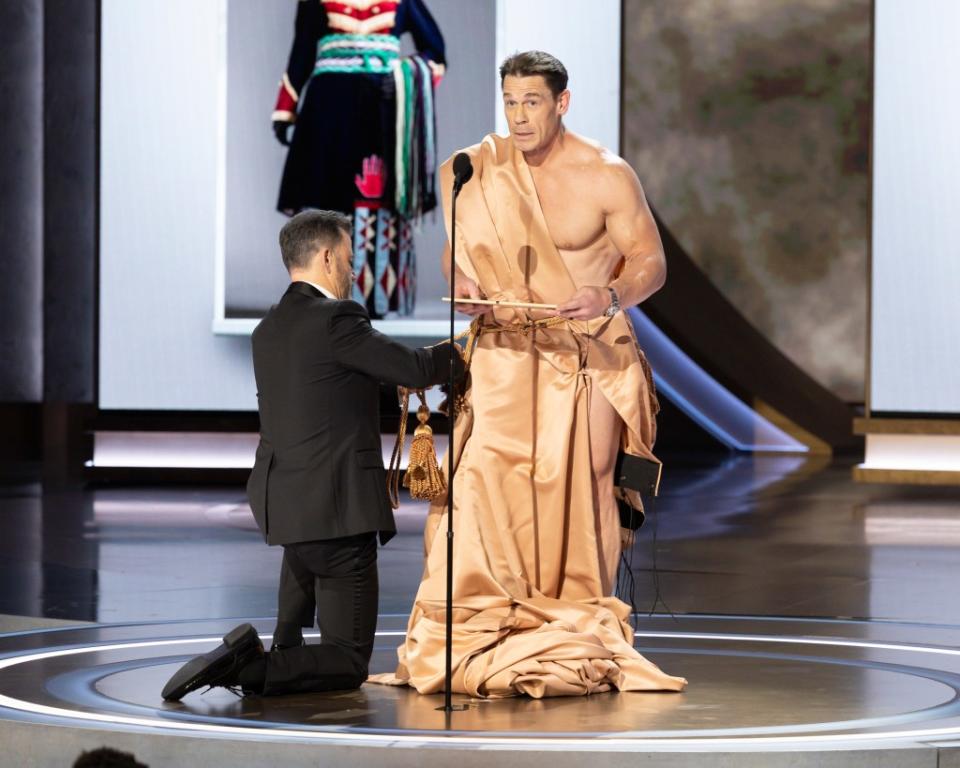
(416, 149)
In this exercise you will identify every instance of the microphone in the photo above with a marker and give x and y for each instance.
(462, 171)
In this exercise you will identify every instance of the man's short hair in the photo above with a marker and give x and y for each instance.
(107, 757)
(308, 232)
(532, 63)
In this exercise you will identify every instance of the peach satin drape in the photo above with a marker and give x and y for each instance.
(534, 561)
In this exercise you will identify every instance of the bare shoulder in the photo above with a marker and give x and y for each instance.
(597, 159)
(619, 186)
(473, 152)
(584, 151)
(618, 173)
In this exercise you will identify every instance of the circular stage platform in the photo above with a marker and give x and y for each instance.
(762, 691)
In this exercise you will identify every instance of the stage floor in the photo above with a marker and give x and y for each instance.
(815, 620)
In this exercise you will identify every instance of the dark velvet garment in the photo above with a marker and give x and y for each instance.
(344, 118)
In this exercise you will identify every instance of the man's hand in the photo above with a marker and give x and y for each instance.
(468, 289)
(586, 304)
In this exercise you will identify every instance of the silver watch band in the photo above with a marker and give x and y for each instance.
(614, 303)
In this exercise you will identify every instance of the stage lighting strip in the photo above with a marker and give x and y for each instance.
(676, 373)
(594, 742)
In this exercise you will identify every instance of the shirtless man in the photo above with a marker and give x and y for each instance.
(549, 402)
(596, 213)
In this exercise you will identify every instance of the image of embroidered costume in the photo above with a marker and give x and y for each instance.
(364, 138)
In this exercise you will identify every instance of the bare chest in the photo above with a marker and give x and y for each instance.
(572, 210)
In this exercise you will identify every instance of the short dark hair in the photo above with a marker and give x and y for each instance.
(531, 63)
(308, 232)
(107, 757)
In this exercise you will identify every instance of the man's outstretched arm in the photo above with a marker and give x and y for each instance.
(358, 346)
(464, 288)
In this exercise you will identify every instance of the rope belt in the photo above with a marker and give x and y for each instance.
(477, 329)
(525, 329)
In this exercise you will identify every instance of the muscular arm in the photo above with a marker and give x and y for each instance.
(633, 231)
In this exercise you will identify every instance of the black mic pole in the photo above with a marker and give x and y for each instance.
(463, 171)
(451, 417)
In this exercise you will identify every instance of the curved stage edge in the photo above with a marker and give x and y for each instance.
(763, 691)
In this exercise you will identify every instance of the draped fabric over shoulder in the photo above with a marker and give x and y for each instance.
(534, 563)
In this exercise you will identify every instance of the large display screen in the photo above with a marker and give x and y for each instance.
(191, 169)
(915, 286)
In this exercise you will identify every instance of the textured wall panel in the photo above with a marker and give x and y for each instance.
(748, 122)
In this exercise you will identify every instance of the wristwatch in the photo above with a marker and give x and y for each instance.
(614, 304)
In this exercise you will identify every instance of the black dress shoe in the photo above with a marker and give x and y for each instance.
(221, 666)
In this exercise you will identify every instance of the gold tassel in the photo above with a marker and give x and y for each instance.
(423, 476)
(393, 471)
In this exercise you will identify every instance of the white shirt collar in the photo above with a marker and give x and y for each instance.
(322, 290)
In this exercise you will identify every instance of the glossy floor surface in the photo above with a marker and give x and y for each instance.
(812, 613)
(755, 536)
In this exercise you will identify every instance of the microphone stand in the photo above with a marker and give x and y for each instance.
(451, 417)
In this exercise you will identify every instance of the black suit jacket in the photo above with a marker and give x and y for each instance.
(319, 468)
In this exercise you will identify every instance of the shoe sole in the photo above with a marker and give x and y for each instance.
(203, 667)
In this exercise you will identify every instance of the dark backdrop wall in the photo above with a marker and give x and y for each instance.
(748, 122)
(70, 65)
(21, 201)
(48, 219)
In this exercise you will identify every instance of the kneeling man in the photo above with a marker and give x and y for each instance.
(318, 486)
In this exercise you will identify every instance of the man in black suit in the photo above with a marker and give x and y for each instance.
(318, 486)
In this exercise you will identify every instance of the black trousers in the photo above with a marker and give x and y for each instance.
(338, 579)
